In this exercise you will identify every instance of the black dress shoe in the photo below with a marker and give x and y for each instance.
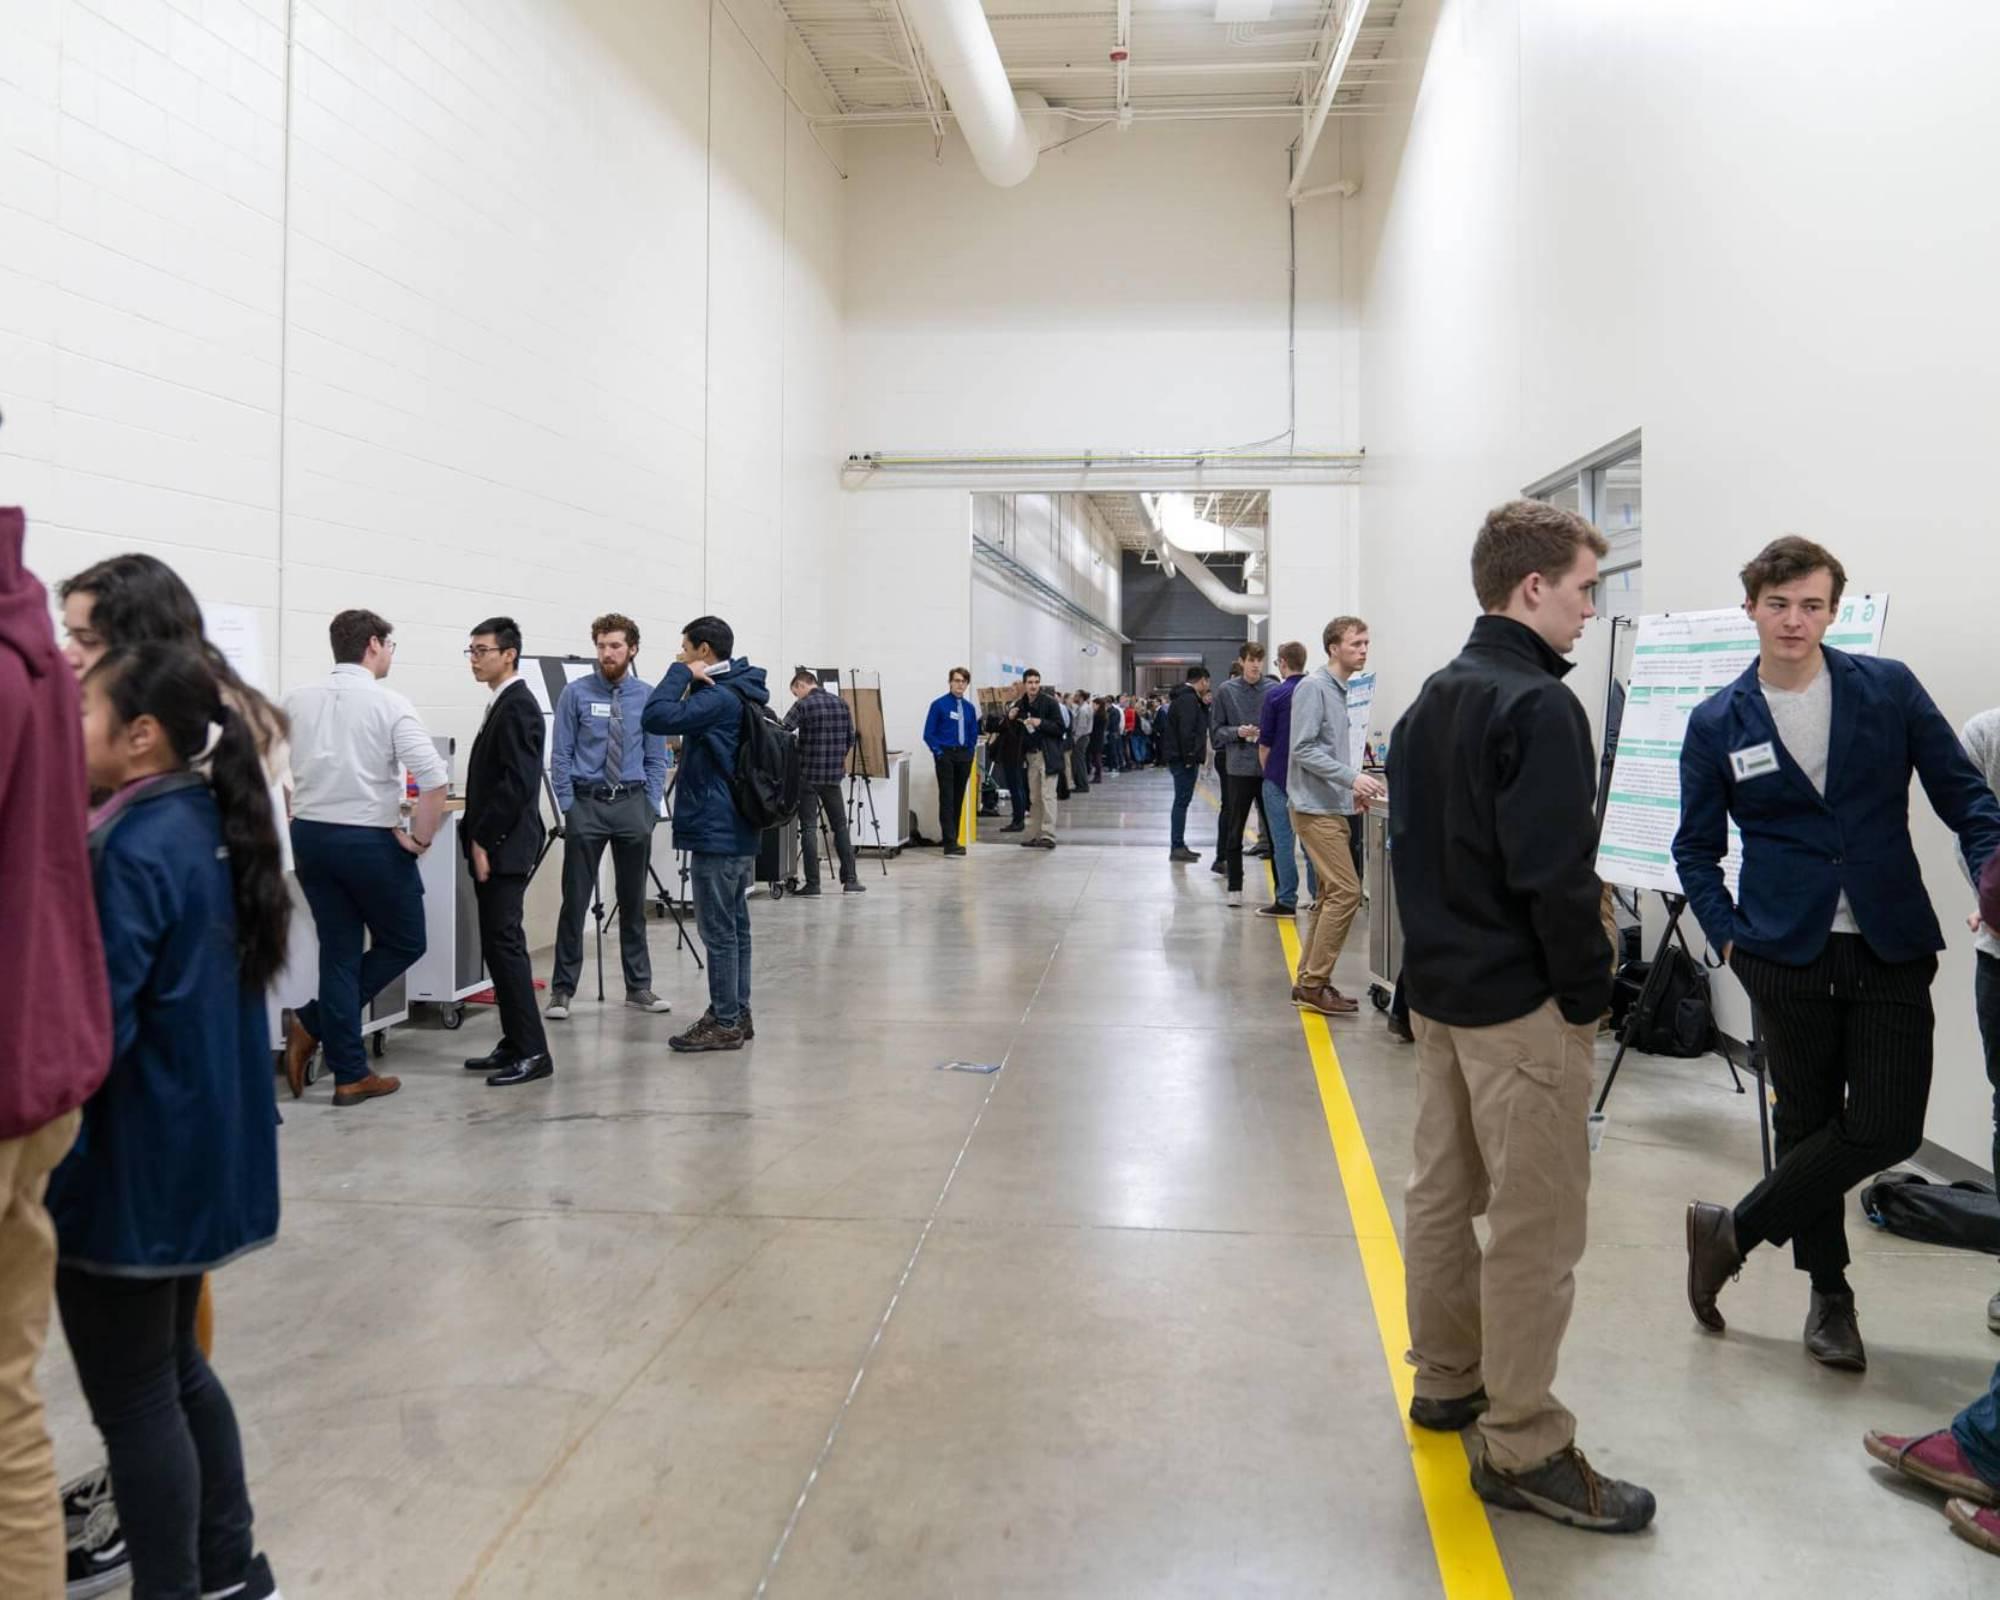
(495, 1060)
(526, 1070)
(1713, 1260)
(1449, 1416)
(1833, 1333)
(806, 891)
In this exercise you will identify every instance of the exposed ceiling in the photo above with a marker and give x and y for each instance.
(1184, 60)
(1238, 511)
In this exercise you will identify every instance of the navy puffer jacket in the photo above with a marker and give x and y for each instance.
(706, 718)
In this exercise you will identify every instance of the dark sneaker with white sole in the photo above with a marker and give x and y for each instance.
(707, 1034)
(1449, 1416)
(1566, 1489)
(645, 1000)
(744, 1025)
(257, 1584)
(97, 1561)
(557, 1009)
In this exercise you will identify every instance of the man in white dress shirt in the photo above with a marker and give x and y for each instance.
(353, 739)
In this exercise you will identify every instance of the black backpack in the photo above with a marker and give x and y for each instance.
(765, 787)
(1675, 1019)
(1965, 1216)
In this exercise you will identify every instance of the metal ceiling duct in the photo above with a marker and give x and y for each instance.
(1189, 566)
(959, 44)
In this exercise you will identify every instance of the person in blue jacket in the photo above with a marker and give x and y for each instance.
(1831, 931)
(175, 1172)
(951, 731)
(701, 701)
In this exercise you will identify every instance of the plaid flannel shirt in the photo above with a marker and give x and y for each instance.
(826, 729)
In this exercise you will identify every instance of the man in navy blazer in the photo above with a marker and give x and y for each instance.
(1831, 932)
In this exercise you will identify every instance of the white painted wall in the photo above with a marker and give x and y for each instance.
(528, 308)
(1065, 542)
(1585, 218)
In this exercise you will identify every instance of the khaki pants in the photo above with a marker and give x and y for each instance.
(1325, 838)
(31, 1526)
(1501, 1128)
(1041, 798)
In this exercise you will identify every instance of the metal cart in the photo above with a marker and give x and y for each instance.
(1385, 926)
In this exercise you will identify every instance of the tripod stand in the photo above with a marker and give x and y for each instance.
(1655, 976)
(855, 776)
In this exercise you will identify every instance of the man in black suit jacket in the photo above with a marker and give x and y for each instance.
(502, 836)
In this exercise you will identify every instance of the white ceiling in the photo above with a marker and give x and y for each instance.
(1183, 61)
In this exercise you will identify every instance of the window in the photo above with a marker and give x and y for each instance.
(1604, 488)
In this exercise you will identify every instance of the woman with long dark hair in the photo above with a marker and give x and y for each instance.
(176, 1170)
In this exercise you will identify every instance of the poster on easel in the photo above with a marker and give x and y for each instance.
(1360, 707)
(1679, 659)
(870, 756)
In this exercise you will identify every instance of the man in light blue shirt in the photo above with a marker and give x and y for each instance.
(609, 777)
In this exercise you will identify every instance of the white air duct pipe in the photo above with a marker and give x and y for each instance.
(1189, 565)
(959, 42)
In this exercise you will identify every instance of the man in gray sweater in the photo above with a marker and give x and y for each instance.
(1239, 706)
(1981, 738)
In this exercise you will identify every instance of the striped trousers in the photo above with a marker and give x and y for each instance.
(1849, 1040)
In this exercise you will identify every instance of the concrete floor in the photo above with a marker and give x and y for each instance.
(822, 1317)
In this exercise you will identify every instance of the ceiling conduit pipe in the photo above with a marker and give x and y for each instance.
(1189, 565)
(959, 43)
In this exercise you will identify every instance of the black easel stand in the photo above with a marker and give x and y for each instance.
(854, 777)
(1754, 1060)
(1656, 974)
(604, 915)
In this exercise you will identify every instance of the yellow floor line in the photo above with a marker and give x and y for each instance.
(1468, 1560)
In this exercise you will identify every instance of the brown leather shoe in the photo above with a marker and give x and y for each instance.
(369, 1088)
(1327, 1001)
(299, 1048)
(1713, 1260)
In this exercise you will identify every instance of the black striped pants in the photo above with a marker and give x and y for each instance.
(1849, 1041)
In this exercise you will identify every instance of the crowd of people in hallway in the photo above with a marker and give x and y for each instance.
(147, 781)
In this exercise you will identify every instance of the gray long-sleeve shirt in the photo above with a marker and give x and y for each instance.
(1981, 738)
(1237, 705)
(1320, 778)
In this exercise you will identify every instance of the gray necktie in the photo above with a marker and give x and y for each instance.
(614, 743)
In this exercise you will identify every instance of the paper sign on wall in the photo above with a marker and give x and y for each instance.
(238, 632)
(1679, 660)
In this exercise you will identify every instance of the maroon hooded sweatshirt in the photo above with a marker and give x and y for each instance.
(55, 1038)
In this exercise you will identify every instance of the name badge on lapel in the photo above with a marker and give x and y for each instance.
(1754, 762)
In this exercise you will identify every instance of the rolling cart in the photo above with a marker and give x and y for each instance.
(1385, 927)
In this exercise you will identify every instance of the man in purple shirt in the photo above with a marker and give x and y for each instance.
(1274, 749)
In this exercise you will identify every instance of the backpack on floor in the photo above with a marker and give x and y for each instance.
(1965, 1216)
(766, 786)
(1676, 1019)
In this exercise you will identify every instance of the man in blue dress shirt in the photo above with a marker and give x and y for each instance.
(609, 777)
(951, 731)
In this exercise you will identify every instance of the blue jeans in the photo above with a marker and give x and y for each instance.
(358, 881)
(1977, 1431)
(1183, 793)
(722, 916)
(1284, 843)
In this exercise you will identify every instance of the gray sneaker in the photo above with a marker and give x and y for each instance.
(645, 1000)
(1566, 1489)
(558, 1009)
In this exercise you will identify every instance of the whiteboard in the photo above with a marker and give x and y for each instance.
(1680, 659)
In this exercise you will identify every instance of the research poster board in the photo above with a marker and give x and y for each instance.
(1679, 659)
(1360, 707)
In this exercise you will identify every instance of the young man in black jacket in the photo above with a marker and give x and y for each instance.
(1505, 961)
(1183, 734)
(1041, 715)
(502, 836)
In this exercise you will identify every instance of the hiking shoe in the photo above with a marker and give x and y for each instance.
(1449, 1416)
(1932, 1459)
(558, 1006)
(1566, 1489)
(744, 1025)
(97, 1561)
(645, 1000)
(1277, 908)
(1833, 1333)
(372, 1087)
(707, 1034)
(1974, 1524)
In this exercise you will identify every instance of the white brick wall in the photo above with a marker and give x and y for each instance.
(479, 366)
